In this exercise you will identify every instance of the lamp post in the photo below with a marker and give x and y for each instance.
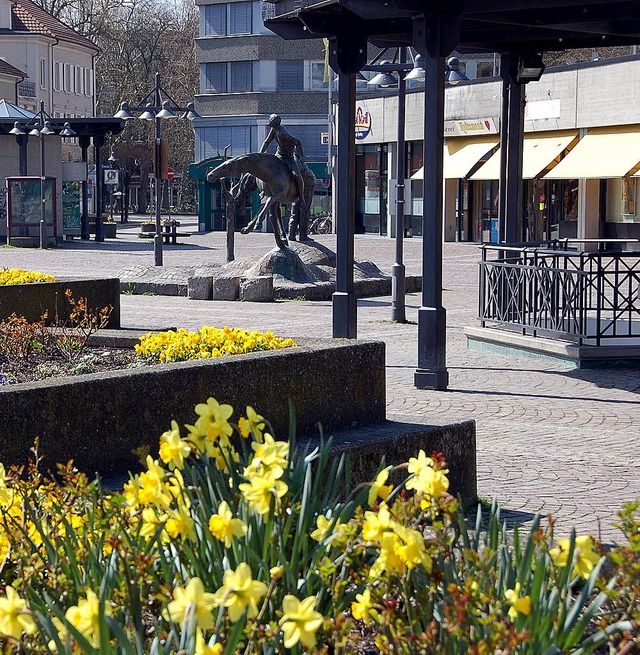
(41, 126)
(156, 111)
(384, 78)
(112, 160)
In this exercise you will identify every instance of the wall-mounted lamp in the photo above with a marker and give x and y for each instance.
(530, 67)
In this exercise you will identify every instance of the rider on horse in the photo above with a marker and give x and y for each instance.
(286, 151)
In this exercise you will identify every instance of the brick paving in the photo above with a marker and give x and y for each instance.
(551, 439)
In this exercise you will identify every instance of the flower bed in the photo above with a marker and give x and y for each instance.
(33, 300)
(99, 418)
(235, 541)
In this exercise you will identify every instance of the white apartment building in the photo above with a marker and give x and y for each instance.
(58, 62)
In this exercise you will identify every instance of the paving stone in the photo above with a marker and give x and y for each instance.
(533, 418)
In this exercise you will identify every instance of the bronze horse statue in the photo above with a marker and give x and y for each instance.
(277, 186)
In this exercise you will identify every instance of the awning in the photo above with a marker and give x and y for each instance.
(461, 155)
(539, 150)
(604, 152)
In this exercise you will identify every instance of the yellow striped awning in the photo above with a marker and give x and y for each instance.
(461, 155)
(539, 151)
(604, 152)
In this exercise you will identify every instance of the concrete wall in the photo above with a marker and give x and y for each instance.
(98, 419)
(32, 300)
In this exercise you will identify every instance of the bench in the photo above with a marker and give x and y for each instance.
(168, 231)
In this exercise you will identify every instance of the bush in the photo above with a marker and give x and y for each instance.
(18, 276)
(234, 542)
(207, 342)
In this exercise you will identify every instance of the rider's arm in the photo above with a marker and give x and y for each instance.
(299, 150)
(270, 137)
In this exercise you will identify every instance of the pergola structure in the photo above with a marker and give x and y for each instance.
(87, 130)
(520, 30)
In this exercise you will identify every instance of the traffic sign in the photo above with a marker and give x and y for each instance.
(170, 173)
(111, 176)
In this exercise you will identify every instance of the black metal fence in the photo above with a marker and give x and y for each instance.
(576, 290)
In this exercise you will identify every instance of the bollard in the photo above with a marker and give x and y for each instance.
(43, 234)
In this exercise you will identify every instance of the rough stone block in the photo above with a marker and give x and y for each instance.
(225, 288)
(257, 289)
(200, 287)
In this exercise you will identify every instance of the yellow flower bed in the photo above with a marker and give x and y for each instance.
(18, 276)
(206, 343)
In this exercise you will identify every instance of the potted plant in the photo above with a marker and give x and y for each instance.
(109, 229)
(147, 228)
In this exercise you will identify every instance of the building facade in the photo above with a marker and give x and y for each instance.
(246, 74)
(58, 62)
(589, 193)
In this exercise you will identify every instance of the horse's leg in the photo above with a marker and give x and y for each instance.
(294, 219)
(276, 222)
(303, 217)
(256, 220)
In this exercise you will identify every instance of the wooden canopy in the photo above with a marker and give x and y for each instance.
(484, 25)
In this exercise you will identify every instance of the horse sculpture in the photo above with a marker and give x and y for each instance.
(275, 181)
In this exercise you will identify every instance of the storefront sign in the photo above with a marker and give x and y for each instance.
(472, 127)
(363, 122)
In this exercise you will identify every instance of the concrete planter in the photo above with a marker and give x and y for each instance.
(98, 419)
(109, 230)
(33, 300)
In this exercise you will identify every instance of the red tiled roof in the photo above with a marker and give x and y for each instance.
(29, 17)
(7, 69)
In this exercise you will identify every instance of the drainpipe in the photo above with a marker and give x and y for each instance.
(51, 47)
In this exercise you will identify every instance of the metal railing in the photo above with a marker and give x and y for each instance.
(552, 289)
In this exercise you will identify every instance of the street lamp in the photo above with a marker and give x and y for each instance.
(162, 107)
(41, 126)
(386, 78)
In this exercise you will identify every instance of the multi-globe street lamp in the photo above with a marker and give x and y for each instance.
(40, 125)
(155, 106)
(397, 74)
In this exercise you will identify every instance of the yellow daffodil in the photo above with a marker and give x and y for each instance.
(173, 449)
(15, 617)
(430, 482)
(191, 599)
(276, 572)
(151, 522)
(412, 551)
(362, 608)
(519, 605)
(322, 527)
(85, 617)
(376, 523)
(254, 424)
(390, 559)
(379, 488)
(261, 490)
(179, 524)
(300, 621)
(204, 648)
(270, 458)
(584, 555)
(217, 416)
(224, 527)
(5, 493)
(239, 592)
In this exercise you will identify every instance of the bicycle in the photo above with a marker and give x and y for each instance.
(321, 224)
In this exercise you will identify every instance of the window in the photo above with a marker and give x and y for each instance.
(43, 74)
(290, 75)
(57, 76)
(240, 18)
(485, 69)
(79, 88)
(213, 140)
(225, 77)
(215, 78)
(240, 78)
(317, 77)
(88, 81)
(68, 78)
(214, 20)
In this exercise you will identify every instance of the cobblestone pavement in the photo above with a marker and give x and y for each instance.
(551, 439)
